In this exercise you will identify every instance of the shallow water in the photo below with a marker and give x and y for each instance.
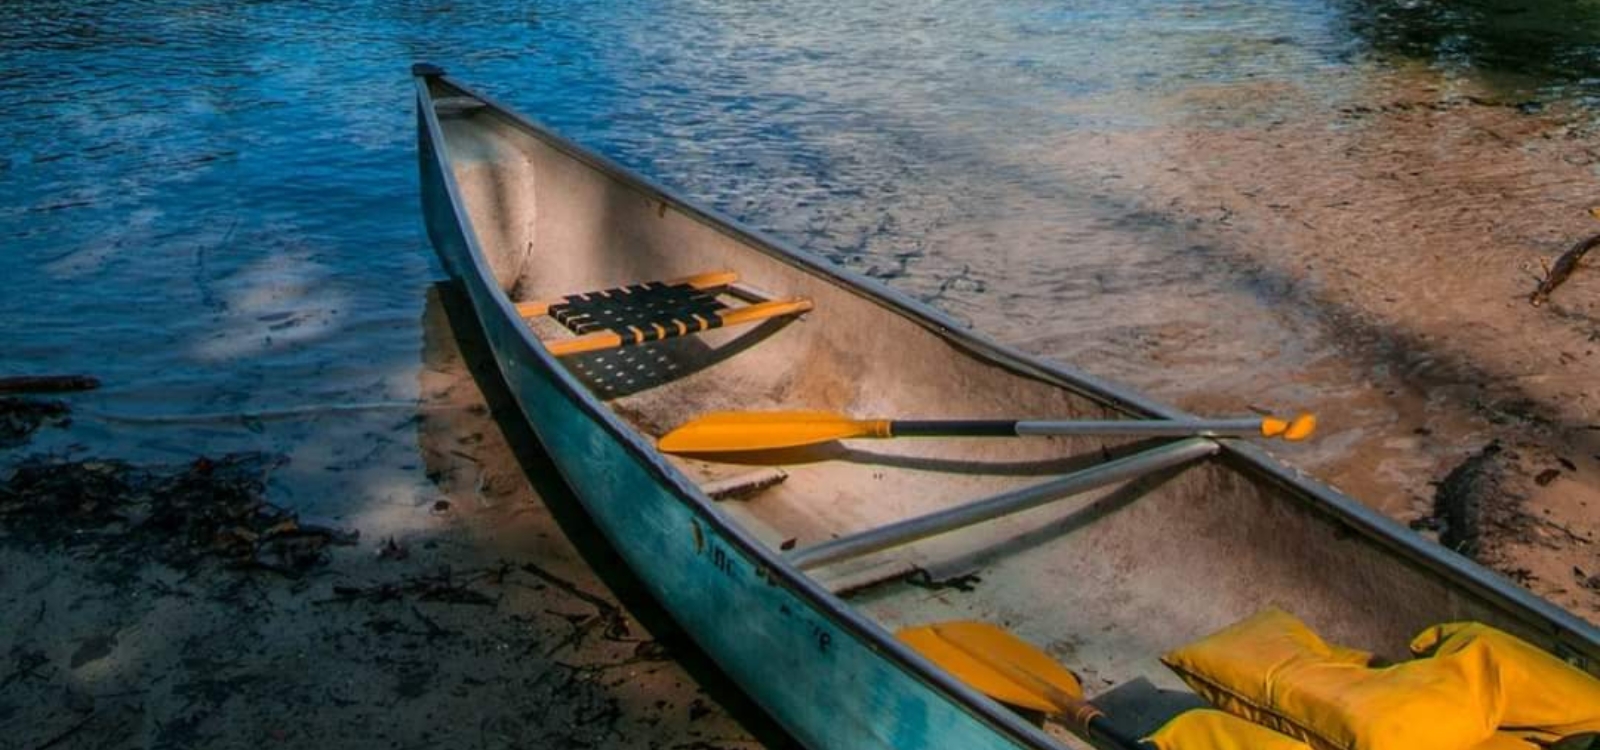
(212, 206)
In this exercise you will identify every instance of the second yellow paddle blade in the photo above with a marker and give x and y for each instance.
(727, 431)
(1292, 430)
(996, 663)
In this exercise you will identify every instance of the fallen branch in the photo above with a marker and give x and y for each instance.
(1558, 273)
(441, 587)
(567, 586)
(64, 736)
(48, 383)
(434, 629)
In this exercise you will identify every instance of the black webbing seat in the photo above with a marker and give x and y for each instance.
(651, 311)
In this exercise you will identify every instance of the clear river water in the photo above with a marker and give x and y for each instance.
(212, 206)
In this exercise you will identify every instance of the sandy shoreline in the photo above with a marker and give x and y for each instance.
(506, 623)
(1402, 233)
(1361, 244)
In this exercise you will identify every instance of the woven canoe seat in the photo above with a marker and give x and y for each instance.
(651, 311)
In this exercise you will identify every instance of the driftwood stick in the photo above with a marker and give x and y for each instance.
(62, 737)
(48, 383)
(1561, 270)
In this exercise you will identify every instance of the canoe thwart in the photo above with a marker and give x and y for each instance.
(652, 311)
(848, 583)
(913, 529)
(457, 106)
(742, 486)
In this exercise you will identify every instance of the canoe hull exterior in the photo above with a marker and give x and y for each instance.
(827, 687)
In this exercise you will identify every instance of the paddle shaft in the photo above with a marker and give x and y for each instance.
(1106, 427)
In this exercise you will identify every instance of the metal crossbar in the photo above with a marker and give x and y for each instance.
(1004, 504)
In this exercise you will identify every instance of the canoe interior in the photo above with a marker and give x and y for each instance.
(1106, 582)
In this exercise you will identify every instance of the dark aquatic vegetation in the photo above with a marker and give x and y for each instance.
(20, 417)
(1550, 47)
(209, 509)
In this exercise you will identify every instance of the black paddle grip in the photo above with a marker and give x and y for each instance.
(953, 428)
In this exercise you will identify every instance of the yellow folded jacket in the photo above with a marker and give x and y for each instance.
(1273, 670)
(1206, 729)
(1542, 693)
(1229, 668)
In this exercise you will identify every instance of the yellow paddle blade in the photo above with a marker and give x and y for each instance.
(726, 431)
(997, 664)
(1300, 428)
(1292, 430)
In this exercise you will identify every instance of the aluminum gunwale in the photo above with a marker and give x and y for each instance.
(1242, 456)
(827, 605)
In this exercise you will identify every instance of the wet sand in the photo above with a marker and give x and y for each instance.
(1360, 243)
(1393, 236)
(505, 622)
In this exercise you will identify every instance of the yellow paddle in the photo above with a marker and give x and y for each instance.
(1004, 667)
(732, 431)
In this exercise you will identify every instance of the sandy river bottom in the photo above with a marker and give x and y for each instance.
(1388, 252)
(1362, 249)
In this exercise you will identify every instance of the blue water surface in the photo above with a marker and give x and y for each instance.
(213, 206)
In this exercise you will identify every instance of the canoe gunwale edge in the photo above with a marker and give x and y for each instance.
(1568, 631)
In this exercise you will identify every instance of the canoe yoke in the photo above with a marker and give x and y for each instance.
(655, 311)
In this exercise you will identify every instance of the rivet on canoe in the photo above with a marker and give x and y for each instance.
(661, 210)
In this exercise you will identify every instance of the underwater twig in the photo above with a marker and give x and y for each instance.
(1558, 273)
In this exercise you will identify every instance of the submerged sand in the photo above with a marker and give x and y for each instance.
(1360, 243)
(1393, 238)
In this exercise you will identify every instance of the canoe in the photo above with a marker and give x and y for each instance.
(617, 310)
